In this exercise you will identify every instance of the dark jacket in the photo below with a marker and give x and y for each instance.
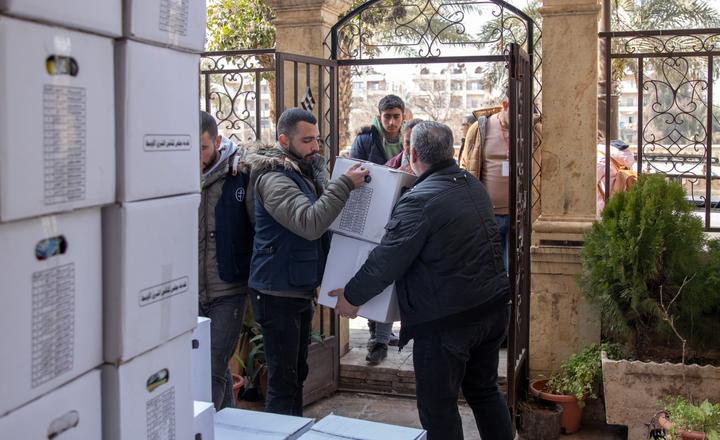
(368, 145)
(225, 233)
(442, 248)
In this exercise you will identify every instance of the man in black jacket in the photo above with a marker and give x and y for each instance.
(442, 248)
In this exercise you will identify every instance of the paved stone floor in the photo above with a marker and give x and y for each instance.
(385, 393)
(402, 411)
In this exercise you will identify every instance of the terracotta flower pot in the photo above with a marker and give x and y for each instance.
(238, 384)
(572, 411)
(666, 424)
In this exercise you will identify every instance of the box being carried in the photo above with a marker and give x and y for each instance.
(336, 427)
(369, 208)
(150, 257)
(71, 412)
(346, 257)
(176, 23)
(51, 314)
(158, 146)
(57, 121)
(149, 397)
(105, 18)
(232, 424)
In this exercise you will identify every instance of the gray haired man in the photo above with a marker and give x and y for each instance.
(442, 249)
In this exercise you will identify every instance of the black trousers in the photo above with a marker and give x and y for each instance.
(286, 325)
(467, 358)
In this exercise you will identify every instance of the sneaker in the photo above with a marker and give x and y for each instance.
(394, 340)
(377, 354)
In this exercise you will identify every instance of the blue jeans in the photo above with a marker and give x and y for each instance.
(503, 222)
(380, 331)
(467, 358)
(286, 325)
(226, 314)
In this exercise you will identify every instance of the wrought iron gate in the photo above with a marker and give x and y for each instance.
(521, 116)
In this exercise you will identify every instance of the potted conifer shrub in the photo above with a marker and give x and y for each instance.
(655, 278)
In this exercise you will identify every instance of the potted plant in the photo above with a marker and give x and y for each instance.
(682, 419)
(254, 365)
(578, 378)
(655, 278)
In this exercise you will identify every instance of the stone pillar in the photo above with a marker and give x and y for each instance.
(561, 321)
(301, 28)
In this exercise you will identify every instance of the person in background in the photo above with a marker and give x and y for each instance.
(486, 155)
(465, 126)
(442, 249)
(379, 143)
(402, 160)
(294, 207)
(225, 248)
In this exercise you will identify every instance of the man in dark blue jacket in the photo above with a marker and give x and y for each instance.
(442, 249)
(379, 143)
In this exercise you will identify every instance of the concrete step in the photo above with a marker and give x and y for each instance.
(394, 376)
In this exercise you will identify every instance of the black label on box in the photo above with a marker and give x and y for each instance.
(162, 291)
(166, 142)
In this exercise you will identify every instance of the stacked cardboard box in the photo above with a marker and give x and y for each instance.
(337, 427)
(99, 183)
(358, 230)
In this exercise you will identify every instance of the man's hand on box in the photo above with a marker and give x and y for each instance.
(357, 174)
(343, 307)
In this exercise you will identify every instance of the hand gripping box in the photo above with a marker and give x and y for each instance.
(201, 370)
(232, 424)
(369, 208)
(106, 17)
(57, 120)
(176, 23)
(71, 412)
(204, 421)
(150, 272)
(158, 146)
(51, 314)
(150, 396)
(336, 427)
(347, 255)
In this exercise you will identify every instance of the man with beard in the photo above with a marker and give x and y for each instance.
(293, 210)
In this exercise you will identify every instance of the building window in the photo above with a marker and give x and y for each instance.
(357, 86)
(456, 85)
(475, 84)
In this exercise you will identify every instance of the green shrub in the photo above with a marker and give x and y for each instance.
(684, 415)
(637, 257)
(581, 374)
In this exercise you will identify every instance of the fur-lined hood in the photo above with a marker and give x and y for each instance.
(269, 157)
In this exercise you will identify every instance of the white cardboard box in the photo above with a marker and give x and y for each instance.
(369, 208)
(177, 23)
(105, 18)
(201, 370)
(346, 257)
(51, 314)
(158, 146)
(150, 272)
(150, 397)
(57, 130)
(204, 421)
(336, 427)
(232, 423)
(71, 412)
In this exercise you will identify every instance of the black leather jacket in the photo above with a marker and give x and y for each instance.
(442, 248)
